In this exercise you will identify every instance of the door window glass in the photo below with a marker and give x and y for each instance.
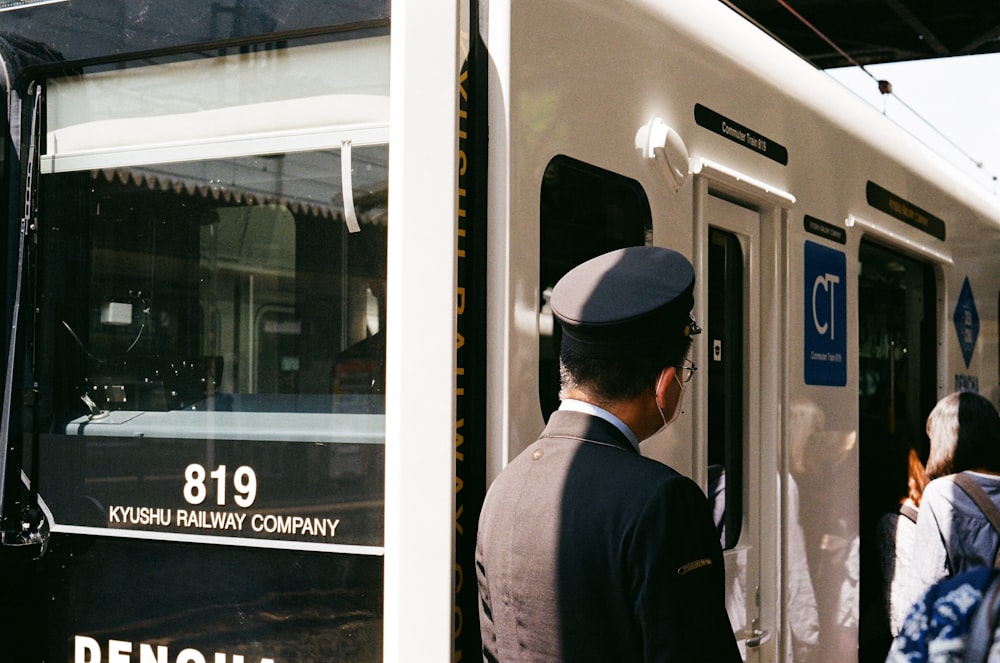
(725, 383)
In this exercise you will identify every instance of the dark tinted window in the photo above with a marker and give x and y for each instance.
(585, 211)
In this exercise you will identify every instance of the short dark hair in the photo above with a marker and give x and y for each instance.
(615, 380)
(964, 430)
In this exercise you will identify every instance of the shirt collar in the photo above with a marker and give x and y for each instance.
(589, 408)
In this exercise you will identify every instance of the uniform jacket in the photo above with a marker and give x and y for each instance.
(588, 551)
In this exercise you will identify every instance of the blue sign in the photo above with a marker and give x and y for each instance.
(966, 321)
(825, 316)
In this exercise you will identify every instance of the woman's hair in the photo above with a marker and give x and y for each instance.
(964, 431)
(891, 470)
(917, 478)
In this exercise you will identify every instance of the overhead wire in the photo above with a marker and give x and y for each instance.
(885, 88)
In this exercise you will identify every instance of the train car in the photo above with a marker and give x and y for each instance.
(276, 283)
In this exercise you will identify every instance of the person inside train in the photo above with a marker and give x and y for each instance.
(889, 498)
(896, 531)
(896, 481)
(586, 550)
(955, 530)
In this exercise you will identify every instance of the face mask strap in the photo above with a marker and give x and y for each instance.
(677, 410)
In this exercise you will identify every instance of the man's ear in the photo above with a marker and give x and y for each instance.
(663, 383)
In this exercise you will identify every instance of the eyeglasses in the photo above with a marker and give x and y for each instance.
(692, 327)
(686, 371)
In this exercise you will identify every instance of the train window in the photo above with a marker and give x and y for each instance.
(726, 326)
(210, 329)
(585, 211)
(218, 286)
(207, 299)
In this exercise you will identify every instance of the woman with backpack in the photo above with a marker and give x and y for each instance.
(957, 539)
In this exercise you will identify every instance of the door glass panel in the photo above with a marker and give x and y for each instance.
(725, 383)
(896, 340)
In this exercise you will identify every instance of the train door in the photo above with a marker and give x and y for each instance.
(732, 362)
(897, 388)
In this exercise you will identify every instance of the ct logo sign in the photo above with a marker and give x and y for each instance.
(826, 282)
(825, 324)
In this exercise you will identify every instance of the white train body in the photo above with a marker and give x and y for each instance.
(581, 79)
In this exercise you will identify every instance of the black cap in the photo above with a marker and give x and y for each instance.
(632, 303)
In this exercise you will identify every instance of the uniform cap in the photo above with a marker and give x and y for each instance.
(632, 303)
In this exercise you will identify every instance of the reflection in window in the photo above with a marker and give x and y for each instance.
(230, 284)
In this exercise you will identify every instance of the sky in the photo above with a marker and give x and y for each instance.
(952, 104)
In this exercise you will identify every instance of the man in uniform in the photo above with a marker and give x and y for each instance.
(586, 550)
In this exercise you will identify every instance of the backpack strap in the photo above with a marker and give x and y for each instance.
(982, 500)
(908, 512)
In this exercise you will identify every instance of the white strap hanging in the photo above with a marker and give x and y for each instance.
(350, 214)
